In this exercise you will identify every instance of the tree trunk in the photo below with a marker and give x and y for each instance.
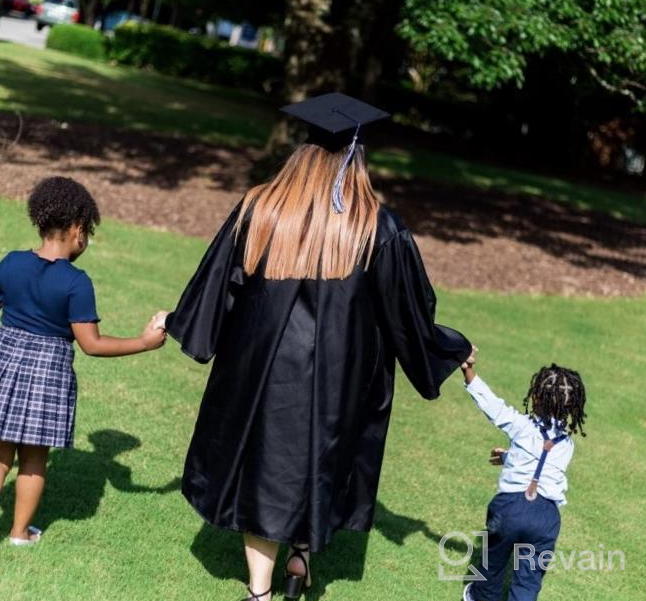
(174, 14)
(335, 45)
(305, 31)
(88, 12)
(383, 50)
(364, 41)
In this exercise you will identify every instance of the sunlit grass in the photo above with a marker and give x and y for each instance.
(118, 529)
(65, 87)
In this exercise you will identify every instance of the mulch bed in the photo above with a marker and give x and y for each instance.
(469, 239)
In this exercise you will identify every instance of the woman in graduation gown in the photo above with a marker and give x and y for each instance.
(306, 298)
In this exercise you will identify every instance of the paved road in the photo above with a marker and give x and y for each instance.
(22, 31)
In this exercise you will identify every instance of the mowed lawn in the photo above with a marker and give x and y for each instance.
(117, 528)
(53, 84)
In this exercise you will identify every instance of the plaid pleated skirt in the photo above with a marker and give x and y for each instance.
(37, 389)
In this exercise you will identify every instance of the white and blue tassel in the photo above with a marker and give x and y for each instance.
(337, 190)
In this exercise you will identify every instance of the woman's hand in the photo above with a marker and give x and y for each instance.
(471, 359)
(467, 367)
(159, 320)
(497, 456)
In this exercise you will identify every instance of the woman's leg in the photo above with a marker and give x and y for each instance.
(30, 484)
(7, 455)
(296, 566)
(261, 558)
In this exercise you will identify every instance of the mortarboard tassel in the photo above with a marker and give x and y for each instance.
(337, 190)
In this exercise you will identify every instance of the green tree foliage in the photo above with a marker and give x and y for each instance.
(489, 42)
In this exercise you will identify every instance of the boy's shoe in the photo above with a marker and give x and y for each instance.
(466, 594)
(34, 537)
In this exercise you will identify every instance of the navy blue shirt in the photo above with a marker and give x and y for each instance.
(44, 297)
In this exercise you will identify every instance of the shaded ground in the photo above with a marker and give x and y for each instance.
(469, 239)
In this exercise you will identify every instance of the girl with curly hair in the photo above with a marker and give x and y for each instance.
(47, 303)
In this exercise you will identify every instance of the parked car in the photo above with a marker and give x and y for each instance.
(111, 20)
(24, 7)
(52, 12)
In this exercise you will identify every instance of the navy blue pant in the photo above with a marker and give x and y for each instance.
(512, 519)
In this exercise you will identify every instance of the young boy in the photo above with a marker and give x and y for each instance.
(532, 481)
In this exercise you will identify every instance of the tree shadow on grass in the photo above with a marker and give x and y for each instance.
(127, 156)
(76, 480)
(222, 555)
(584, 238)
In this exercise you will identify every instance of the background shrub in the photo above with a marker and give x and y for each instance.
(77, 39)
(175, 52)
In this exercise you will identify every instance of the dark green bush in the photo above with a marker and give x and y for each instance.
(175, 52)
(77, 39)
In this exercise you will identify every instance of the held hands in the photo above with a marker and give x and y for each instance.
(159, 320)
(471, 359)
(468, 366)
(153, 336)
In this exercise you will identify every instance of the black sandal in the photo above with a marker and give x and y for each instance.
(295, 585)
(255, 596)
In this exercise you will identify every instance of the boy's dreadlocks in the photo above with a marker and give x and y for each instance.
(557, 394)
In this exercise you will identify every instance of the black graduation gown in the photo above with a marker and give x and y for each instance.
(290, 436)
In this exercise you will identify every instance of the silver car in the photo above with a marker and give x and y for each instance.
(52, 12)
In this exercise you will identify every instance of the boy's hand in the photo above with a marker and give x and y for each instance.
(153, 337)
(497, 456)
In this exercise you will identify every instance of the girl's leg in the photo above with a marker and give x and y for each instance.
(30, 484)
(7, 455)
(261, 557)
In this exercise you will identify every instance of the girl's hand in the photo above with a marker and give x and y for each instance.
(152, 336)
(497, 456)
(159, 320)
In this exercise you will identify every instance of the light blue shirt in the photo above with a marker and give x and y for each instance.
(525, 447)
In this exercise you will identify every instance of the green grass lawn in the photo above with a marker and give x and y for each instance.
(53, 84)
(118, 529)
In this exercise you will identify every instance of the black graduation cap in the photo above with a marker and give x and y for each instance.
(333, 118)
(335, 121)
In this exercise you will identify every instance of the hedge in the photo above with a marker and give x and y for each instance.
(175, 52)
(77, 39)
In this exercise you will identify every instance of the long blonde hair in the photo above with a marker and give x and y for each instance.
(294, 225)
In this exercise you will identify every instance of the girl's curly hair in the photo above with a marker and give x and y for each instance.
(58, 203)
(556, 394)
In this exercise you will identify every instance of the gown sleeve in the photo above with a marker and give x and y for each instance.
(197, 321)
(428, 352)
